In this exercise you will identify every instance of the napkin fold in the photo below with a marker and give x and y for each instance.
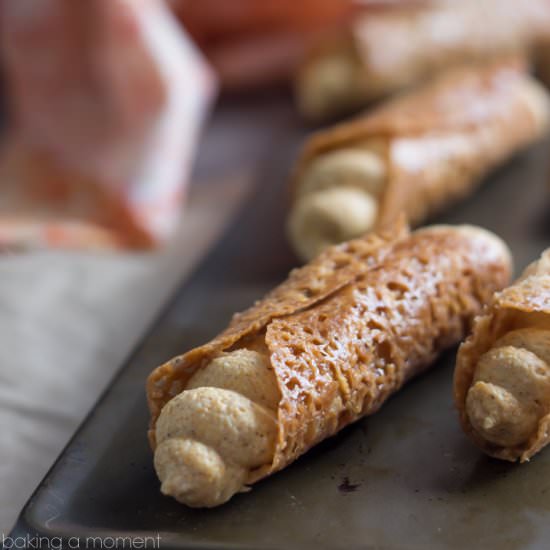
(107, 100)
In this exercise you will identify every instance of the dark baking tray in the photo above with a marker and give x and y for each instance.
(406, 477)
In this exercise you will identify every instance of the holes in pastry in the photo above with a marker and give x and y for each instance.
(297, 349)
(382, 310)
(292, 383)
(397, 288)
(384, 350)
(373, 324)
(334, 344)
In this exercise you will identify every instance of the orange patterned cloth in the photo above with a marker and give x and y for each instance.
(107, 99)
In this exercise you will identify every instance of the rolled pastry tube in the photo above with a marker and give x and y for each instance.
(384, 51)
(320, 351)
(502, 376)
(416, 154)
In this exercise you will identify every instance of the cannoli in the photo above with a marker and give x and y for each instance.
(502, 376)
(414, 155)
(320, 351)
(386, 50)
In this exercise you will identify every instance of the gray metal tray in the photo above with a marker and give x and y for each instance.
(406, 477)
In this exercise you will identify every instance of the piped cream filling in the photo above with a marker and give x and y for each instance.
(510, 392)
(338, 199)
(223, 425)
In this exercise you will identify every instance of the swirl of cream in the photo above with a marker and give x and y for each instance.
(510, 391)
(223, 425)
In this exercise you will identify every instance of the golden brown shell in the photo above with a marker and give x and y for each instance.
(347, 330)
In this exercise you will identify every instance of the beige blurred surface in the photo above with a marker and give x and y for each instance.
(68, 320)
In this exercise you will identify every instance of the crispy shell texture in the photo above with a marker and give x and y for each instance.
(441, 141)
(524, 305)
(346, 331)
